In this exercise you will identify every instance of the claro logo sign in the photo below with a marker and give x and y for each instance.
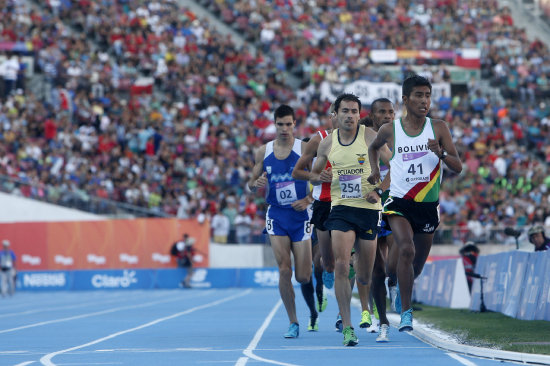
(108, 281)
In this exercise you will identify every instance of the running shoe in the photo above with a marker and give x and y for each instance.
(293, 331)
(350, 339)
(328, 279)
(338, 324)
(383, 333)
(373, 327)
(313, 324)
(322, 303)
(406, 321)
(365, 319)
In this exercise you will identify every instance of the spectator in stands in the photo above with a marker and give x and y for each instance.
(538, 238)
(220, 227)
(9, 70)
(207, 90)
(243, 227)
(8, 271)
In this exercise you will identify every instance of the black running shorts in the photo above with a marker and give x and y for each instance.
(365, 222)
(321, 210)
(423, 216)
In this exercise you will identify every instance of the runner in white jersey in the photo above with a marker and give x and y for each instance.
(419, 146)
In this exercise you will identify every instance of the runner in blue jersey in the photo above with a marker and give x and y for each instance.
(289, 212)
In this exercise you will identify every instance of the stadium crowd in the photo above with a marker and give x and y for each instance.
(147, 104)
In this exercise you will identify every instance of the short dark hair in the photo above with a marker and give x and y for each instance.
(367, 121)
(379, 100)
(282, 111)
(348, 97)
(412, 81)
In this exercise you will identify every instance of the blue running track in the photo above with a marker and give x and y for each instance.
(190, 327)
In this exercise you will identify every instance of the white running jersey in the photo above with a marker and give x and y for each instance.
(415, 170)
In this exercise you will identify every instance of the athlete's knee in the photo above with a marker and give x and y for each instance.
(407, 253)
(285, 274)
(303, 278)
(303, 273)
(364, 279)
(341, 267)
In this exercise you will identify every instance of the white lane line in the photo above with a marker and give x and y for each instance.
(249, 351)
(47, 359)
(462, 360)
(24, 363)
(87, 315)
(242, 361)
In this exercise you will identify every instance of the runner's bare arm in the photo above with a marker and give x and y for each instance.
(384, 134)
(318, 173)
(258, 177)
(302, 169)
(444, 142)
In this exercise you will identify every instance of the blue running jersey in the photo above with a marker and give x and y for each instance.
(282, 189)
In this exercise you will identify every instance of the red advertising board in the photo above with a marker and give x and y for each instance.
(108, 244)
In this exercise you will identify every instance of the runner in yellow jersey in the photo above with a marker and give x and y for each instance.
(355, 207)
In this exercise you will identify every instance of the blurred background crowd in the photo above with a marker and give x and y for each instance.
(147, 108)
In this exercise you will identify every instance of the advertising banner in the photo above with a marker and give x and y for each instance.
(517, 284)
(443, 283)
(542, 311)
(517, 263)
(132, 279)
(369, 91)
(106, 244)
(44, 281)
(532, 284)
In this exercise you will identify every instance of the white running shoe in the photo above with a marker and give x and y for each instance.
(383, 333)
(374, 326)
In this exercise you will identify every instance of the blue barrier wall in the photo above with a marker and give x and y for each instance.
(443, 283)
(145, 279)
(517, 284)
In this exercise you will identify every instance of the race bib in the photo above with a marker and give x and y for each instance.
(350, 186)
(286, 193)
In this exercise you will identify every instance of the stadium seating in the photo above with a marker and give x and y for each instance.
(146, 104)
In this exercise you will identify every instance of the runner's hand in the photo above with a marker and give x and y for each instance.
(326, 175)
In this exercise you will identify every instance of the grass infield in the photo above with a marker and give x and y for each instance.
(489, 329)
